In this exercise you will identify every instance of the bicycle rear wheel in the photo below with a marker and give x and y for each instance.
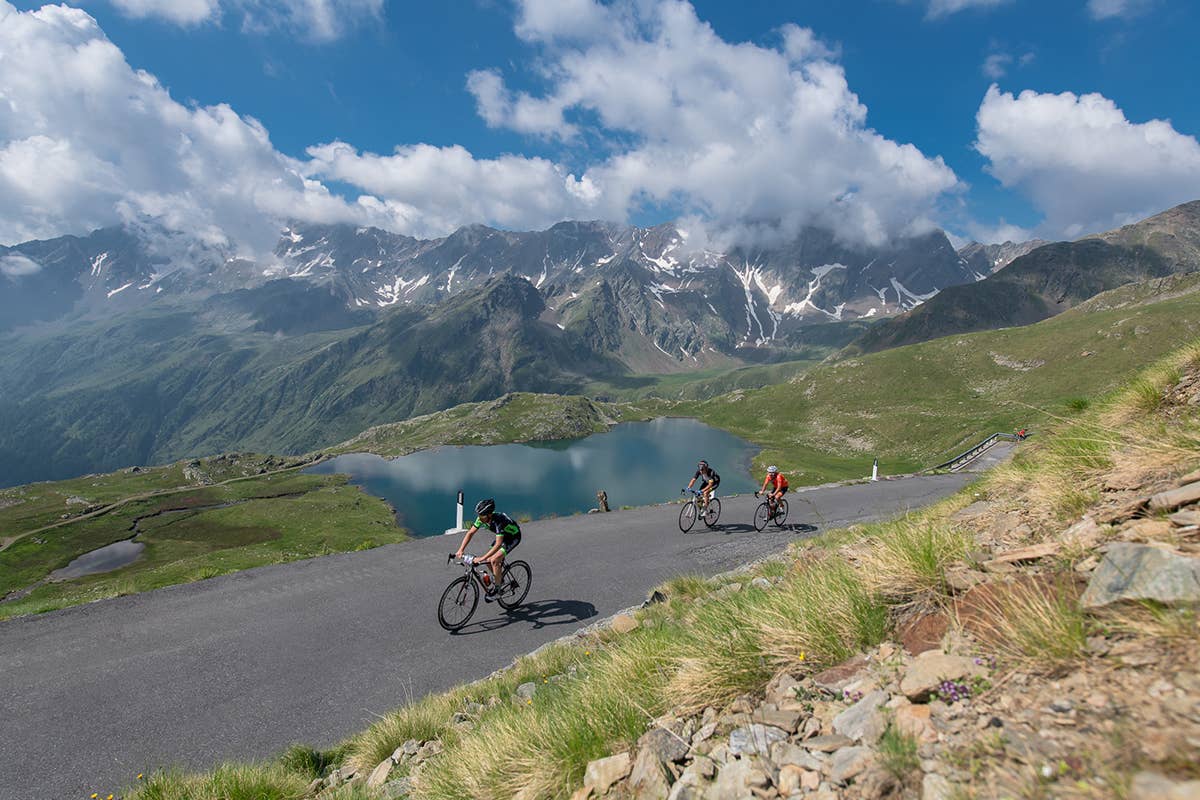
(781, 512)
(761, 515)
(687, 516)
(518, 576)
(458, 603)
(712, 512)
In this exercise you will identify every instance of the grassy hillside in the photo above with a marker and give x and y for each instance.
(698, 665)
(914, 406)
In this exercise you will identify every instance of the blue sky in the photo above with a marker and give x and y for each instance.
(739, 117)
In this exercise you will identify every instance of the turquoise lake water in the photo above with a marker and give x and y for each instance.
(637, 463)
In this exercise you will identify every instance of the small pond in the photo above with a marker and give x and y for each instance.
(637, 463)
(104, 559)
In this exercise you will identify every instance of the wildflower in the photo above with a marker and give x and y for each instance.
(528, 702)
(94, 795)
(139, 776)
(802, 655)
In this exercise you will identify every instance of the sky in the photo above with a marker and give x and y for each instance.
(992, 119)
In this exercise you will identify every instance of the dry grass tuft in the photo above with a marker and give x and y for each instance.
(1035, 624)
(908, 559)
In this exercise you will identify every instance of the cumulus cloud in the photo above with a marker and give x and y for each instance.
(1107, 9)
(728, 132)
(14, 265)
(87, 141)
(996, 65)
(1082, 163)
(320, 20)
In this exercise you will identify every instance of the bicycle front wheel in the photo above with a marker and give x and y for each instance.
(781, 512)
(458, 603)
(517, 577)
(712, 512)
(761, 515)
(687, 516)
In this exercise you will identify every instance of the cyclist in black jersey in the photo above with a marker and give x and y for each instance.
(508, 536)
(709, 478)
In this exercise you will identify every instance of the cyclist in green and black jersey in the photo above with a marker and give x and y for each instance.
(508, 536)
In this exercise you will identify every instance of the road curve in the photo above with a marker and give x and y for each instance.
(240, 666)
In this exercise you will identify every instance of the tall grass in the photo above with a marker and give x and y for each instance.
(227, 782)
(1038, 625)
(908, 558)
(723, 653)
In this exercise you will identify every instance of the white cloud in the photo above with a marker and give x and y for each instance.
(320, 20)
(15, 265)
(729, 131)
(87, 141)
(1081, 162)
(996, 65)
(942, 8)
(1107, 9)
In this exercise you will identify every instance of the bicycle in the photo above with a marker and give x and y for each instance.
(710, 511)
(462, 595)
(770, 511)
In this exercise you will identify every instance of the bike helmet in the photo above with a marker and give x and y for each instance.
(702, 463)
(771, 470)
(485, 507)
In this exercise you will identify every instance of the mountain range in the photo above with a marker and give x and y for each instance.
(134, 345)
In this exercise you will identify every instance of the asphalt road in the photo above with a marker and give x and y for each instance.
(240, 666)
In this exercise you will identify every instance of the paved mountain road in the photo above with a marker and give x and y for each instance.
(240, 666)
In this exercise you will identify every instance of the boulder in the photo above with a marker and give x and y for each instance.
(1141, 572)
(1152, 786)
(647, 780)
(755, 739)
(604, 772)
(929, 669)
(850, 762)
(863, 721)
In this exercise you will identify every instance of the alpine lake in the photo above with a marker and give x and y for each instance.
(635, 463)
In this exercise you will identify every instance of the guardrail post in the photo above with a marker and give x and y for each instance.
(458, 518)
(875, 470)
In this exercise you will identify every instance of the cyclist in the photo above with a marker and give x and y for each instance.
(777, 482)
(711, 480)
(508, 536)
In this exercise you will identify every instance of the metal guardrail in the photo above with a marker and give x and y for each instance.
(966, 457)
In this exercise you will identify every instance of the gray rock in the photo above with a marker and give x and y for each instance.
(931, 668)
(526, 691)
(777, 718)
(1060, 705)
(380, 774)
(647, 779)
(732, 781)
(411, 747)
(783, 753)
(849, 762)
(1152, 786)
(827, 743)
(398, 789)
(1170, 500)
(761, 583)
(1140, 572)
(604, 772)
(664, 744)
(935, 787)
(755, 739)
(863, 721)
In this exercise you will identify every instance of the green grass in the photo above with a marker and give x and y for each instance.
(914, 406)
(265, 520)
(898, 753)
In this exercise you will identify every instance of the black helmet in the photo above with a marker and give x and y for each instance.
(702, 463)
(485, 506)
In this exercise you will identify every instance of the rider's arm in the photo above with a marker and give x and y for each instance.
(462, 548)
(495, 548)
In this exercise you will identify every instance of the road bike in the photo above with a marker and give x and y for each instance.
(462, 595)
(710, 511)
(770, 510)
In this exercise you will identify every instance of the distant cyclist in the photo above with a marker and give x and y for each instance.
(508, 536)
(708, 477)
(776, 481)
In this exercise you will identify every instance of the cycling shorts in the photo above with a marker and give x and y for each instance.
(715, 483)
(509, 543)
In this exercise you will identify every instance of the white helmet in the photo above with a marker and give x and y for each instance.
(771, 470)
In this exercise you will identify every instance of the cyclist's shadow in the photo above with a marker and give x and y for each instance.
(742, 527)
(542, 613)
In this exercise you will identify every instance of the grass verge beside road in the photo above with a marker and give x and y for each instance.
(712, 642)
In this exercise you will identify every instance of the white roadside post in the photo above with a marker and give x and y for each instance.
(875, 470)
(458, 518)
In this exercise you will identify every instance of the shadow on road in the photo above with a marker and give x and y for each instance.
(741, 527)
(542, 613)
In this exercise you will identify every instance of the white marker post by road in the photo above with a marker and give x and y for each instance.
(875, 470)
(458, 518)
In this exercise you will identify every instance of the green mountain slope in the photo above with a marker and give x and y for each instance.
(1050, 280)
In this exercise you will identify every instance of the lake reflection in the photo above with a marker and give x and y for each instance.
(637, 463)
